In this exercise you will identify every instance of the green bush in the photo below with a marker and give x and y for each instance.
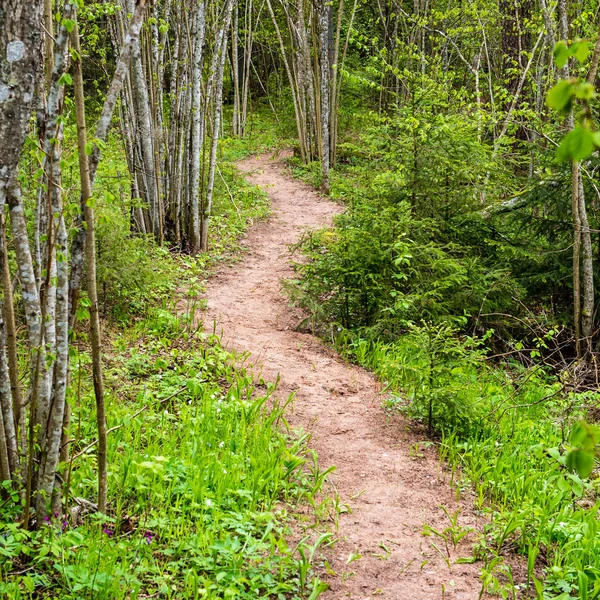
(433, 374)
(382, 270)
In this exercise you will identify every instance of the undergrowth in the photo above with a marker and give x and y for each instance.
(505, 438)
(203, 469)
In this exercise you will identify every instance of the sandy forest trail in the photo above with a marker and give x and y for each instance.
(391, 488)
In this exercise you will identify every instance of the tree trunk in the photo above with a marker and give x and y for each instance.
(197, 130)
(325, 89)
(90, 267)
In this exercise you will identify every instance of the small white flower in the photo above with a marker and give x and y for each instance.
(224, 472)
(221, 444)
(208, 502)
(166, 412)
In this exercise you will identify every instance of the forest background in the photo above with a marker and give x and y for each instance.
(461, 136)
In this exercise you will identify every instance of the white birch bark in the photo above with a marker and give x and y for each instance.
(145, 134)
(50, 432)
(248, 45)
(235, 73)
(9, 455)
(9, 452)
(325, 89)
(197, 128)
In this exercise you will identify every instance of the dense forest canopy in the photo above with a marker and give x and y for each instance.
(462, 138)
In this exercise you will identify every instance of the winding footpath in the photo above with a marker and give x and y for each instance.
(391, 484)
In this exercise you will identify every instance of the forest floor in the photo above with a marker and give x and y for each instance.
(386, 472)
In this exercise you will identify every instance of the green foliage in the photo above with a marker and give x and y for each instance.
(133, 272)
(436, 391)
(583, 140)
(400, 253)
(562, 52)
(585, 439)
(435, 369)
(578, 144)
(518, 466)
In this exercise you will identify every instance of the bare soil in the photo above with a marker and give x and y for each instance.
(385, 473)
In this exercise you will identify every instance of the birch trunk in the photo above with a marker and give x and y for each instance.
(8, 468)
(11, 341)
(249, 41)
(576, 254)
(587, 261)
(197, 130)
(235, 73)
(145, 133)
(325, 89)
(587, 271)
(10, 395)
(50, 409)
(90, 268)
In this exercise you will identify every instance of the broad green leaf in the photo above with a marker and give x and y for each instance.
(579, 434)
(65, 79)
(560, 96)
(68, 24)
(578, 144)
(585, 436)
(561, 54)
(585, 91)
(562, 484)
(554, 453)
(581, 461)
(576, 485)
(580, 50)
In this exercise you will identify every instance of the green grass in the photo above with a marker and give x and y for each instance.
(202, 472)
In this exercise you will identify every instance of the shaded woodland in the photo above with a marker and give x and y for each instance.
(462, 138)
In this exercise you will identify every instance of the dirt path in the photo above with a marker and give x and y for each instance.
(392, 487)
